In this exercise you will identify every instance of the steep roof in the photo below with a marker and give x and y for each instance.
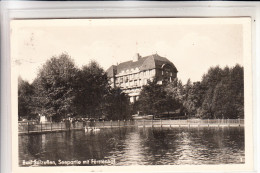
(144, 63)
(111, 71)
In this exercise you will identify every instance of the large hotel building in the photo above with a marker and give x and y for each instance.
(132, 75)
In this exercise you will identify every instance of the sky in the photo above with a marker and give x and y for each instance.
(192, 44)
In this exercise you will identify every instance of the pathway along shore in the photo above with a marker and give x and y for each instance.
(50, 127)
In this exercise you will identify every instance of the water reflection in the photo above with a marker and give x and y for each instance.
(139, 146)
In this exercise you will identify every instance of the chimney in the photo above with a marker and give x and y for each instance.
(136, 57)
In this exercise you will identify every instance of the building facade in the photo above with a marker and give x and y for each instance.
(132, 75)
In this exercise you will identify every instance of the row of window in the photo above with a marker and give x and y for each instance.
(135, 76)
(141, 74)
(133, 83)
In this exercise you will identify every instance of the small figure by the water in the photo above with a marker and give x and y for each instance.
(91, 129)
(96, 130)
(88, 129)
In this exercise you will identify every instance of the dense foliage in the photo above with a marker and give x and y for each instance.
(92, 87)
(25, 96)
(54, 88)
(220, 94)
(156, 98)
(117, 105)
(62, 90)
(224, 93)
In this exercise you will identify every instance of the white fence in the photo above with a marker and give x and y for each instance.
(36, 127)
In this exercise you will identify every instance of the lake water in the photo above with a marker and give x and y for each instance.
(135, 146)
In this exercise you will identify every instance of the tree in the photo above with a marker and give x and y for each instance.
(25, 94)
(117, 105)
(224, 94)
(237, 85)
(174, 95)
(154, 99)
(194, 98)
(210, 80)
(175, 89)
(92, 87)
(186, 101)
(54, 88)
(228, 99)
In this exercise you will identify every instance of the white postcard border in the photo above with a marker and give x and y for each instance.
(165, 10)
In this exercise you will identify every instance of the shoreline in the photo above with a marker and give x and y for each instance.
(48, 127)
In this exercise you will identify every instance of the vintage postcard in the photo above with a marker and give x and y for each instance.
(132, 94)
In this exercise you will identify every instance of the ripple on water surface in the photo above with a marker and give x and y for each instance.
(139, 146)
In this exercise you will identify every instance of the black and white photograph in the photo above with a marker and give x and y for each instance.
(131, 92)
